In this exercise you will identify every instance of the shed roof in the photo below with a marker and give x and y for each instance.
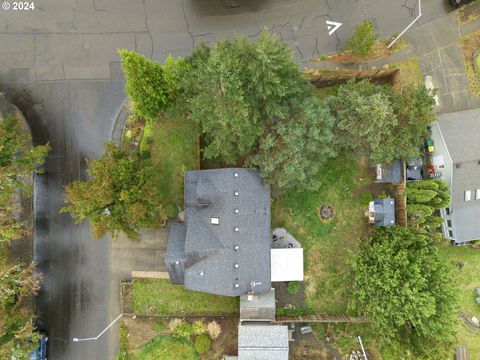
(384, 212)
(258, 307)
(262, 342)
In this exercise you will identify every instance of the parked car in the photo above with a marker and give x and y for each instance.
(40, 353)
(458, 3)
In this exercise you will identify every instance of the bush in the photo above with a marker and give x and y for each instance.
(363, 39)
(172, 325)
(202, 343)
(199, 328)
(183, 329)
(293, 287)
(214, 330)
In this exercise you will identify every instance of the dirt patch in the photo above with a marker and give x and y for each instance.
(126, 298)
(285, 299)
(141, 331)
(227, 342)
(309, 348)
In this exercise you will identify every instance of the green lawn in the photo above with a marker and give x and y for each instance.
(326, 244)
(166, 348)
(467, 280)
(159, 297)
(171, 146)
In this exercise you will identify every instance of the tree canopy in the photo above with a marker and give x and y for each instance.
(150, 86)
(294, 150)
(240, 87)
(382, 124)
(17, 331)
(363, 39)
(117, 197)
(17, 161)
(404, 287)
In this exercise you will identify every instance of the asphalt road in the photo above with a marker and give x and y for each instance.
(58, 64)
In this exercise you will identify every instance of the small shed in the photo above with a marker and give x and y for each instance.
(381, 212)
(258, 307)
(392, 173)
(287, 264)
(263, 342)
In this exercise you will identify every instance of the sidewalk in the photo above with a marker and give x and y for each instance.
(436, 45)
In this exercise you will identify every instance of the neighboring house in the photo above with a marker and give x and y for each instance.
(224, 246)
(457, 158)
(381, 212)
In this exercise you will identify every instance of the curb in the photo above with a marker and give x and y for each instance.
(118, 126)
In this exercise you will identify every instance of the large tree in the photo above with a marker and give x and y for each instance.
(17, 161)
(402, 285)
(293, 151)
(365, 120)
(118, 196)
(17, 331)
(381, 123)
(239, 87)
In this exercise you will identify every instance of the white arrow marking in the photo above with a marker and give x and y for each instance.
(332, 26)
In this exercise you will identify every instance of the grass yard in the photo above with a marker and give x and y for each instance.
(410, 73)
(468, 279)
(326, 244)
(159, 297)
(171, 146)
(166, 348)
(470, 43)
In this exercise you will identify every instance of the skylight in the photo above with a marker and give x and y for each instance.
(468, 195)
(214, 221)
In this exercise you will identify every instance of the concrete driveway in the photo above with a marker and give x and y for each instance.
(59, 64)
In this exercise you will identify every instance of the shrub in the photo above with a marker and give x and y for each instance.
(172, 325)
(199, 328)
(214, 330)
(202, 343)
(183, 329)
(160, 327)
(293, 287)
(363, 39)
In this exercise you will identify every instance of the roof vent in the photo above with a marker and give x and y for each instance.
(236, 193)
(237, 285)
(236, 266)
(236, 229)
(201, 273)
(458, 166)
(235, 174)
(236, 211)
(236, 248)
(214, 221)
(177, 262)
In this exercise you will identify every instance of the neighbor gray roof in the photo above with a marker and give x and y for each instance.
(262, 342)
(260, 307)
(460, 133)
(392, 173)
(384, 212)
(240, 202)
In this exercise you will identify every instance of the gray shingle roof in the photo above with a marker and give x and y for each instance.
(392, 173)
(262, 342)
(460, 132)
(176, 259)
(239, 201)
(384, 212)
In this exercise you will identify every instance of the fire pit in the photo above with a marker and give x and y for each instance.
(326, 212)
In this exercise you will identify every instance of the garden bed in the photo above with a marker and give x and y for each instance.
(152, 297)
(470, 44)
